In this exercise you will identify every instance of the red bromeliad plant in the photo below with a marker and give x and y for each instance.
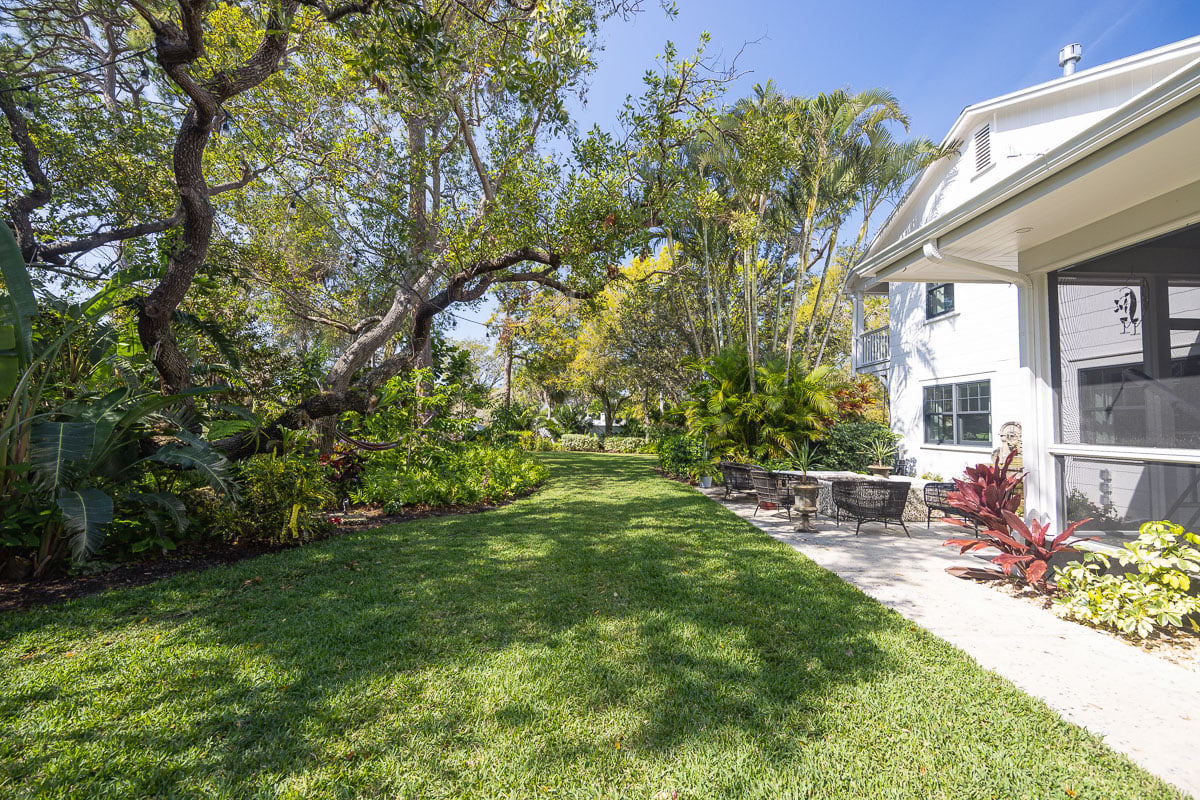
(991, 498)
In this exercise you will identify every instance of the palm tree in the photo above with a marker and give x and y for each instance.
(831, 127)
(884, 167)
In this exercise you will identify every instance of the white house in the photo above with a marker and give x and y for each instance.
(1049, 274)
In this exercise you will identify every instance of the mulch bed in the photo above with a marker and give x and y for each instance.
(198, 555)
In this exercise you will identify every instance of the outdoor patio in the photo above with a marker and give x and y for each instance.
(1143, 706)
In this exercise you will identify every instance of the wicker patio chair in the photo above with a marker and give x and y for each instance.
(770, 489)
(736, 477)
(872, 501)
(934, 495)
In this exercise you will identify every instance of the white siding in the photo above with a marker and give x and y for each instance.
(978, 341)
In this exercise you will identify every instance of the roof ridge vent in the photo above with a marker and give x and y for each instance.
(1068, 57)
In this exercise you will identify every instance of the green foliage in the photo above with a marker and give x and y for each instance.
(581, 442)
(75, 430)
(513, 417)
(1151, 593)
(881, 451)
(535, 442)
(429, 459)
(846, 445)
(282, 497)
(681, 454)
(787, 407)
(627, 444)
(459, 476)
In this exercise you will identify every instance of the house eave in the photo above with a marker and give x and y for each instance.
(1143, 109)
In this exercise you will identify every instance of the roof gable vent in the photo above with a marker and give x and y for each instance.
(983, 148)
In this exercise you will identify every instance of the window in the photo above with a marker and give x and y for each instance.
(983, 148)
(959, 413)
(939, 299)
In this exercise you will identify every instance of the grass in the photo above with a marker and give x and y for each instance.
(615, 635)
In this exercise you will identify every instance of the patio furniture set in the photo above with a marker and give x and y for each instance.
(862, 500)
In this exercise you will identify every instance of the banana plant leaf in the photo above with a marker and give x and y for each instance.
(85, 514)
(18, 303)
(55, 446)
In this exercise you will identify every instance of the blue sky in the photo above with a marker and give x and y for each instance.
(936, 57)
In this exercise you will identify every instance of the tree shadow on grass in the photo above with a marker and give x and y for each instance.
(609, 602)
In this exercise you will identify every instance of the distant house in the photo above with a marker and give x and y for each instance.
(1049, 275)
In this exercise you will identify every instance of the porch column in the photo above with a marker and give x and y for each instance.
(1041, 486)
(856, 330)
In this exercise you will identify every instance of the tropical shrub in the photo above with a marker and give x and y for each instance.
(988, 491)
(626, 444)
(989, 499)
(581, 442)
(564, 419)
(344, 467)
(785, 408)
(1153, 593)
(681, 454)
(282, 495)
(846, 445)
(535, 442)
(1025, 549)
(463, 475)
(79, 434)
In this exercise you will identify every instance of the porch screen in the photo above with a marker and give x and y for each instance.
(1129, 352)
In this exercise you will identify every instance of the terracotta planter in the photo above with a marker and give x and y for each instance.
(879, 471)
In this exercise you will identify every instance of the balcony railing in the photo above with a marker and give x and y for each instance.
(873, 348)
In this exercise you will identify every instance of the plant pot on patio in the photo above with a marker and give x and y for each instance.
(705, 481)
(807, 491)
(879, 471)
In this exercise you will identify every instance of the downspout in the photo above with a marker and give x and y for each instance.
(935, 254)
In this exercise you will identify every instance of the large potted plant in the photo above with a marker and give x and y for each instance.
(703, 473)
(882, 453)
(807, 489)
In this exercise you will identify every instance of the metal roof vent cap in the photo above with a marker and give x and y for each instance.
(1068, 57)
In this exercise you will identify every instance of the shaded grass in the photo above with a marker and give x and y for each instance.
(615, 635)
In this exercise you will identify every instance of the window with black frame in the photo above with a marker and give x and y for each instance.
(959, 413)
(1126, 354)
(939, 299)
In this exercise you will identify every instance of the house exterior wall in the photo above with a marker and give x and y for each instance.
(977, 341)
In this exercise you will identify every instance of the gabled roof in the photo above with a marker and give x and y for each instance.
(1187, 49)
(1178, 86)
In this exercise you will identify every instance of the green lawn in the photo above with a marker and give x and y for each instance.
(614, 635)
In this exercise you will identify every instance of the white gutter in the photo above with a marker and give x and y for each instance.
(935, 254)
(1166, 96)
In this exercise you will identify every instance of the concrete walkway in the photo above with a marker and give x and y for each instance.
(1142, 706)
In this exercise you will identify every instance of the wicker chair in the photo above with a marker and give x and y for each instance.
(934, 495)
(770, 489)
(867, 501)
(736, 477)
